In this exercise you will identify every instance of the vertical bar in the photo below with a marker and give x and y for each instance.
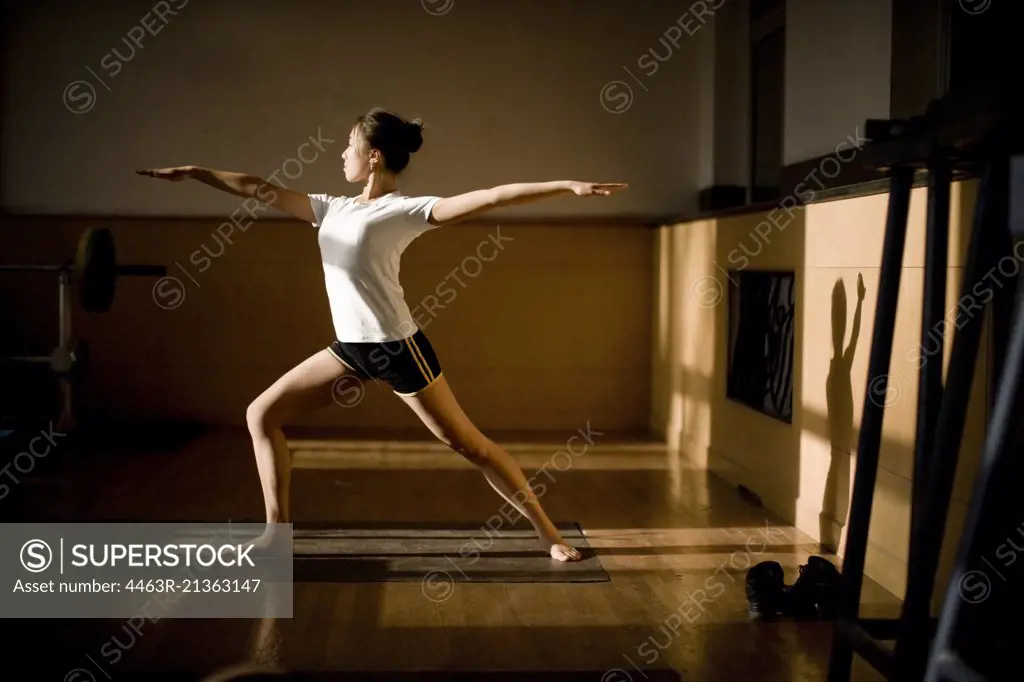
(64, 310)
(989, 222)
(912, 645)
(995, 460)
(871, 423)
(1002, 316)
(944, 37)
(66, 420)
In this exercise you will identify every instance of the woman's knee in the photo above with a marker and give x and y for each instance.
(477, 450)
(260, 416)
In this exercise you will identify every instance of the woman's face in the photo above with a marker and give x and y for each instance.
(356, 158)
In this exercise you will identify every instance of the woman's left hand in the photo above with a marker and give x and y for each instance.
(590, 189)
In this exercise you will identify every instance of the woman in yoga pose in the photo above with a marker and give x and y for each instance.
(361, 240)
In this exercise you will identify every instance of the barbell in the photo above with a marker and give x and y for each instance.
(94, 271)
(92, 275)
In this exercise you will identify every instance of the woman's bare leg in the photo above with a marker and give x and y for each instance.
(440, 412)
(306, 387)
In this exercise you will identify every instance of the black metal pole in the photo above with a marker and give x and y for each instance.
(871, 422)
(912, 645)
(995, 460)
(989, 220)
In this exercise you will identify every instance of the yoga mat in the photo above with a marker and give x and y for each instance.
(437, 555)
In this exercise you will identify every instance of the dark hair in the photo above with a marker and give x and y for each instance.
(395, 137)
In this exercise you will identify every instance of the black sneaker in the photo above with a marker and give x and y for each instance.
(815, 594)
(765, 591)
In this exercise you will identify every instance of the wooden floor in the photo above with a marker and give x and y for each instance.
(664, 533)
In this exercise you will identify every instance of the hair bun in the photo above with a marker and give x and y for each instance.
(414, 135)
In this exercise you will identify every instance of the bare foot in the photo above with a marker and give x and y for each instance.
(563, 552)
(267, 540)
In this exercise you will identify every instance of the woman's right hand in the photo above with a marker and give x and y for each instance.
(175, 174)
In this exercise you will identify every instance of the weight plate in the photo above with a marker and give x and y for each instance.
(96, 270)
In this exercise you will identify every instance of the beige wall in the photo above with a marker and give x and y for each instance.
(552, 331)
(804, 471)
(509, 92)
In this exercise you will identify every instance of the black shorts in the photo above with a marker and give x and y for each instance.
(408, 365)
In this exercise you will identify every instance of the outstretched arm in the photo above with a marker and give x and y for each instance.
(462, 206)
(855, 332)
(241, 185)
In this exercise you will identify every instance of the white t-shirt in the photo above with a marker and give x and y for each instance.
(361, 246)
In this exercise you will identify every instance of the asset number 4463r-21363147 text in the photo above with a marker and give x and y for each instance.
(193, 585)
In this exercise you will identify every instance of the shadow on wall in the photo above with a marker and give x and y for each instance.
(835, 503)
